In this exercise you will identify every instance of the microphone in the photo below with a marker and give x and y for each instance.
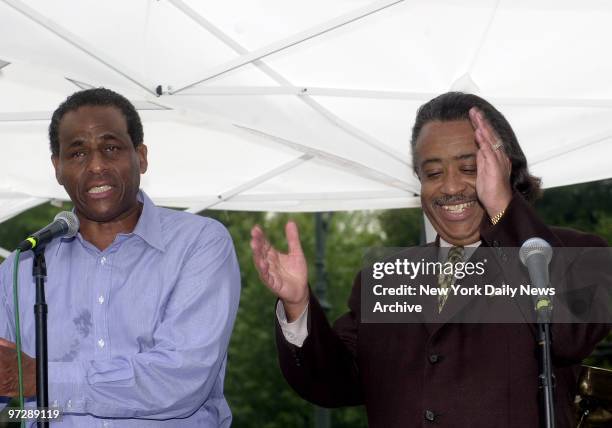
(65, 224)
(536, 254)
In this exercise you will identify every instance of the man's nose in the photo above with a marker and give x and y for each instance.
(97, 163)
(453, 183)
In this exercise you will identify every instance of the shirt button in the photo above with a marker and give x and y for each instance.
(434, 358)
(101, 343)
(101, 299)
(430, 416)
(103, 260)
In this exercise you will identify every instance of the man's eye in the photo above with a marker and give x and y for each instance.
(78, 154)
(469, 170)
(111, 148)
(433, 174)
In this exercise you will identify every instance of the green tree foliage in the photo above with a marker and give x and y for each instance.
(586, 207)
(403, 227)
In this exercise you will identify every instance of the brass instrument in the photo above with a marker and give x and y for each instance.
(594, 401)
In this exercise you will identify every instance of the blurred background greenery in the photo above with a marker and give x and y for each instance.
(257, 393)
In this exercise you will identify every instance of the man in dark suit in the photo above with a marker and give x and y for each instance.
(476, 191)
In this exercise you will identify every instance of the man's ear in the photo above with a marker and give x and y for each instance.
(55, 161)
(141, 151)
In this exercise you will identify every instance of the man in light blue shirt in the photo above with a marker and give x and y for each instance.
(141, 302)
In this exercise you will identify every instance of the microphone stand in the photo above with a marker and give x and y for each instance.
(543, 311)
(39, 271)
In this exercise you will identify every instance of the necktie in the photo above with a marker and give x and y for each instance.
(455, 255)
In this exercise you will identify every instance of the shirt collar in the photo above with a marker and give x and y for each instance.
(443, 243)
(149, 223)
(445, 247)
(148, 227)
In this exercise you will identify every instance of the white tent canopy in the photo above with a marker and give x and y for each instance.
(302, 106)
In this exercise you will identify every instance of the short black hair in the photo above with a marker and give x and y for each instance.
(96, 97)
(453, 106)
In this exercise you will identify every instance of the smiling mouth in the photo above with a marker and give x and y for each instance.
(458, 208)
(99, 189)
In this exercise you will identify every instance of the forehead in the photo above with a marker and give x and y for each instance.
(90, 118)
(441, 140)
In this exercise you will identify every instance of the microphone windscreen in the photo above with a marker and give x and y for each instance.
(535, 246)
(71, 220)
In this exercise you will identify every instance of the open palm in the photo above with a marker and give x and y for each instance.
(493, 165)
(286, 275)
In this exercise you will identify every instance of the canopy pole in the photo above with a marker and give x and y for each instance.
(338, 161)
(249, 57)
(250, 184)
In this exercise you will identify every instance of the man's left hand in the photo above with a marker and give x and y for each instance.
(493, 166)
(9, 384)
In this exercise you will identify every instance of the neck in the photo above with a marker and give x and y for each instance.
(102, 234)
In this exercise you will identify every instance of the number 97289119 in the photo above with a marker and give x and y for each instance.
(47, 414)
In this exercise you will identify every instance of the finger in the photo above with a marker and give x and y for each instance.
(6, 343)
(481, 131)
(490, 135)
(480, 122)
(293, 238)
(484, 148)
(268, 267)
(475, 121)
(274, 282)
(488, 132)
(256, 253)
(264, 273)
(261, 264)
(489, 161)
(259, 259)
(267, 275)
(488, 150)
(481, 164)
(257, 234)
(259, 243)
(258, 249)
(256, 237)
(473, 114)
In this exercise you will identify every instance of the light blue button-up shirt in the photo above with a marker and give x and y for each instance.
(138, 333)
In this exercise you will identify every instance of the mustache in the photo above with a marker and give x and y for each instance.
(455, 199)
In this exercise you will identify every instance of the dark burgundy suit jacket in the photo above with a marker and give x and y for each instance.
(446, 374)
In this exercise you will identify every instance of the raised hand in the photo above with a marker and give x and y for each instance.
(286, 275)
(494, 167)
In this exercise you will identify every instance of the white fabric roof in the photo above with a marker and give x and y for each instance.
(302, 106)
